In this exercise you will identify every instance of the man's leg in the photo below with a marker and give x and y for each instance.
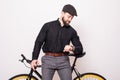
(47, 74)
(64, 68)
(47, 68)
(65, 74)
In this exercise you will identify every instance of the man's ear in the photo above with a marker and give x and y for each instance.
(62, 13)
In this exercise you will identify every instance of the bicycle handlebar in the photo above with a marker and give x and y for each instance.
(29, 61)
(24, 58)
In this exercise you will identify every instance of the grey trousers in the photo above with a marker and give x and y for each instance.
(60, 64)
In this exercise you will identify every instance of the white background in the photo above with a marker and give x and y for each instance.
(98, 25)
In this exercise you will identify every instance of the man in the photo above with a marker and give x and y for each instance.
(55, 38)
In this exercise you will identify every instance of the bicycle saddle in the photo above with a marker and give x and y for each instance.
(78, 55)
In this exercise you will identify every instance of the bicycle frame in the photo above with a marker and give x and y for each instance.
(84, 76)
(72, 67)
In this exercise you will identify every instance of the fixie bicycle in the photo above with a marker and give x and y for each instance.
(31, 76)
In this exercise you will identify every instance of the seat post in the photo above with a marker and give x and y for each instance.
(73, 65)
(76, 56)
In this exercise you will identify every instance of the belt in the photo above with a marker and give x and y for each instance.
(55, 54)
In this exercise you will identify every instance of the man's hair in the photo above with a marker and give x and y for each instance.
(70, 9)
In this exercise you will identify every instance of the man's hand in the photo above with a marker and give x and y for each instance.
(34, 64)
(68, 48)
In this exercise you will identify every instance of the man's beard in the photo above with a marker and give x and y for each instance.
(64, 22)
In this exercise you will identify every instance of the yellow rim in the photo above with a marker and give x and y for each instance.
(90, 76)
(22, 78)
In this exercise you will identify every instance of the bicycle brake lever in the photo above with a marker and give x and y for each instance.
(21, 60)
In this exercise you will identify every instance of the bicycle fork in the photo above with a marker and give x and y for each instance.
(30, 75)
(31, 72)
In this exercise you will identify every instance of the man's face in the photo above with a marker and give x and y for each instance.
(67, 18)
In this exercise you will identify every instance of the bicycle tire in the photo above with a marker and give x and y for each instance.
(23, 77)
(90, 76)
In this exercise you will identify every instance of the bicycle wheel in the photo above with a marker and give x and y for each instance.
(90, 76)
(22, 77)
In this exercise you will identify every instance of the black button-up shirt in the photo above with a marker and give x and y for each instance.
(53, 38)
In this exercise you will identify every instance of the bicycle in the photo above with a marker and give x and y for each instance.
(30, 76)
